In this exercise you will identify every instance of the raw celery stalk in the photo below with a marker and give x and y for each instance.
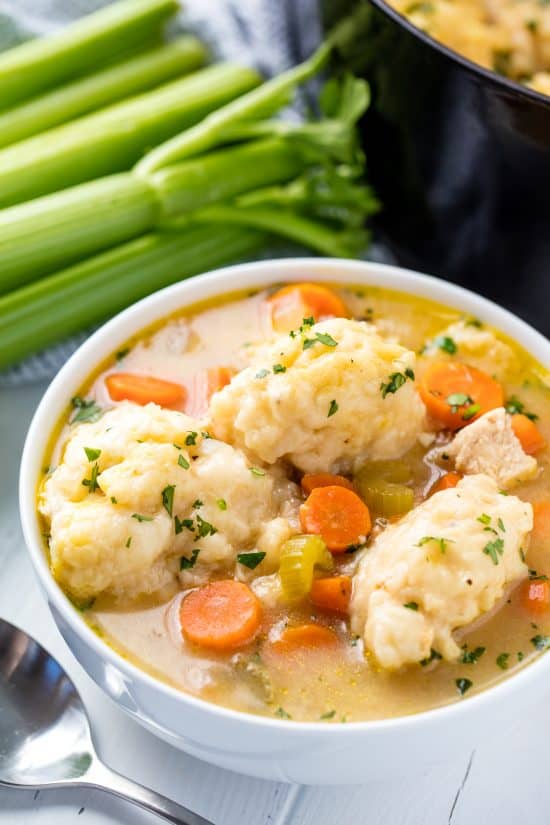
(39, 236)
(40, 314)
(28, 69)
(135, 75)
(112, 139)
(259, 103)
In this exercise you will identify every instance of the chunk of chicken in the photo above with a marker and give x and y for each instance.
(490, 446)
(325, 398)
(445, 564)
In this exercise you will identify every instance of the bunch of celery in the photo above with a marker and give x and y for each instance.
(230, 182)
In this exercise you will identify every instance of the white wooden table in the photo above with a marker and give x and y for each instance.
(506, 782)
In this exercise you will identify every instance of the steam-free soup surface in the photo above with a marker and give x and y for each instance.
(254, 460)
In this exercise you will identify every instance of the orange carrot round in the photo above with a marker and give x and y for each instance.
(291, 304)
(535, 596)
(312, 480)
(304, 637)
(456, 394)
(336, 514)
(143, 389)
(223, 615)
(446, 482)
(332, 593)
(528, 434)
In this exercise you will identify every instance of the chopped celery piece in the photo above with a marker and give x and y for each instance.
(385, 498)
(397, 471)
(299, 556)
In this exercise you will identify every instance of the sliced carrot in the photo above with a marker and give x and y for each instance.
(312, 480)
(291, 304)
(304, 636)
(336, 514)
(332, 593)
(528, 434)
(456, 394)
(541, 519)
(535, 596)
(143, 389)
(205, 383)
(222, 615)
(445, 482)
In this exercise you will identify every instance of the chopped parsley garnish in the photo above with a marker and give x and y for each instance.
(321, 338)
(257, 472)
(515, 406)
(470, 411)
(182, 461)
(185, 563)
(537, 577)
(91, 482)
(470, 657)
(520, 655)
(222, 504)
(204, 528)
(122, 353)
(279, 368)
(494, 549)
(434, 655)
(333, 408)
(87, 410)
(282, 714)
(191, 439)
(205, 434)
(501, 525)
(330, 714)
(445, 343)
(251, 560)
(92, 454)
(197, 503)
(502, 660)
(179, 524)
(395, 381)
(113, 500)
(128, 541)
(168, 498)
(474, 322)
(438, 540)
(411, 605)
(459, 399)
(463, 685)
(484, 518)
(531, 25)
(139, 517)
(540, 642)
(262, 373)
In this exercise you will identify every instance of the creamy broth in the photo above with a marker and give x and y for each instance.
(342, 683)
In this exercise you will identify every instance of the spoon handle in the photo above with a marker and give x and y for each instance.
(103, 778)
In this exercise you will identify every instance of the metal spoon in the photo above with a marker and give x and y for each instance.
(45, 737)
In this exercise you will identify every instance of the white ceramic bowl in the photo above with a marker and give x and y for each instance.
(272, 748)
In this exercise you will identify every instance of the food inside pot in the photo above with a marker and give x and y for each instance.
(510, 37)
(310, 502)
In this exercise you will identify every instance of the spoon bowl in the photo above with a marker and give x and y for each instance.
(45, 738)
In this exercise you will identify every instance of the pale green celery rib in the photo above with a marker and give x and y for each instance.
(43, 313)
(224, 174)
(258, 103)
(135, 75)
(112, 139)
(36, 237)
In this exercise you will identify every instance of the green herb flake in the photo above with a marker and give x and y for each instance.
(168, 498)
(128, 541)
(222, 504)
(537, 577)
(182, 461)
(501, 526)
(92, 454)
(434, 656)
(411, 605)
(197, 504)
(443, 342)
(516, 407)
(278, 368)
(520, 656)
(494, 549)
(139, 517)
(122, 353)
(540, 642)
(86, 410)
(187, 563)
(262, 373)
(91, 483)
(251, 560)
(484, 518)
(470, 657)
(395, 381)
(333, 408)
(330, 714)
(191, 439)
(180, 524)
(282, 714)
(458, 399)
(463, 685)
(439, 540)
(257, 472)
(113, 500)
(502, 660)
(532, 25)
(204, 528)
(470, 411)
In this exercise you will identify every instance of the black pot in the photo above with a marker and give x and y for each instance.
(460, 158)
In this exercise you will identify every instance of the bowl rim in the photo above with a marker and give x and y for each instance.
(219, 282)
(492, 77)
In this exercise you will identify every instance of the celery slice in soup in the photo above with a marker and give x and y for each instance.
(299, 556)
(384, 498)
